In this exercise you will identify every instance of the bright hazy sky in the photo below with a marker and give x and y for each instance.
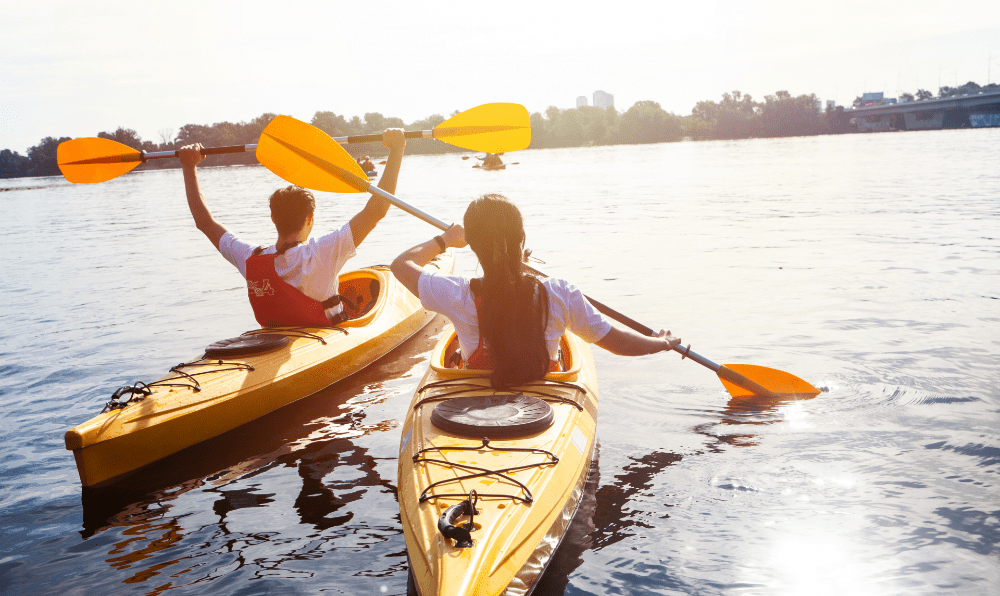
(77, 68)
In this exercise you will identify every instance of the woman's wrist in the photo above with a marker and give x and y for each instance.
(439, 239)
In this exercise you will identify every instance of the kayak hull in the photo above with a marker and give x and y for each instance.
(514, 539)
(208, 396)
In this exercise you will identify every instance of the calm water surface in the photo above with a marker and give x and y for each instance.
(868, 265)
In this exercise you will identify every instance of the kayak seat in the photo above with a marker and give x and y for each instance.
(361, 294)
(453, 355)
(244, 345)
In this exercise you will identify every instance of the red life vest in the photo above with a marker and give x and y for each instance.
(276, 303)
(480, 357)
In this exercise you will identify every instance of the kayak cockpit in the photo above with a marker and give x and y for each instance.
(447, 360)
(362, 294)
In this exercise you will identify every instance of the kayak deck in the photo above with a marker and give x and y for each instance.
(208, 396)
(524, 489)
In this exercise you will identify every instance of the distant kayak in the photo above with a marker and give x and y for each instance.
(482, 167)
(372, 174)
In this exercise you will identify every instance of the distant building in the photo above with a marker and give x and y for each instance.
(872, 99)
(831, 105)
(603, 100)
(581, 102)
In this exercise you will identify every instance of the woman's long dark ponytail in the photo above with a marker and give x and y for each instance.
(515, 306)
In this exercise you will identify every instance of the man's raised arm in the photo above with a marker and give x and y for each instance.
(364, 222)
(190, 156)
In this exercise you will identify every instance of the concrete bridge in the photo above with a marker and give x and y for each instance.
(959, 111)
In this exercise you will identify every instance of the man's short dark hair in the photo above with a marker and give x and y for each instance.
(290, 207)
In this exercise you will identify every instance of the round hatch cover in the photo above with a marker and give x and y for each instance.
(493, 416)
(246, 344)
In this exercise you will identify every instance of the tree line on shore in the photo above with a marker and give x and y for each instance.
(735, 116)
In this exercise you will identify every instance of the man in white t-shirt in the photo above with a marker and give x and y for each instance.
(294, 282)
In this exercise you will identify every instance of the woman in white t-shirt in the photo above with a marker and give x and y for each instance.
(509, 320)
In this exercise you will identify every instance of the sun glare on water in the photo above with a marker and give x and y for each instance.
(796, 415)
(819, 564)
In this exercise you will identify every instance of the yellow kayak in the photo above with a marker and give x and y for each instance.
(511, 463)
(240, 379)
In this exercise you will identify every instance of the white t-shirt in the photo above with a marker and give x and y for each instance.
(312, 268)
(451, 296)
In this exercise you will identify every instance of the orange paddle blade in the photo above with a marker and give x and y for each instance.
(91, 159)
(490, 128)
(776, 381)
(306, 156)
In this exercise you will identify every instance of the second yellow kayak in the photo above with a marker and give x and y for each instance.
(490, 480)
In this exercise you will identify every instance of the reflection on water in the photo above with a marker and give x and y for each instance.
(756, 410)
(862, 263)
(238, 499)
(333, 474)
(318, 503)
(612, 520)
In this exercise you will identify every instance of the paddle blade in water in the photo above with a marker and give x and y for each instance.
(306, 156)
(491, 128)
(91, 159)
(777, 381)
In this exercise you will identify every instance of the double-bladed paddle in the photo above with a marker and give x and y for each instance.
(491, 128)
(322, 164)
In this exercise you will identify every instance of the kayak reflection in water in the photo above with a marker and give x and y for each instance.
(367, 165)
(295, 281)
(509, 320)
